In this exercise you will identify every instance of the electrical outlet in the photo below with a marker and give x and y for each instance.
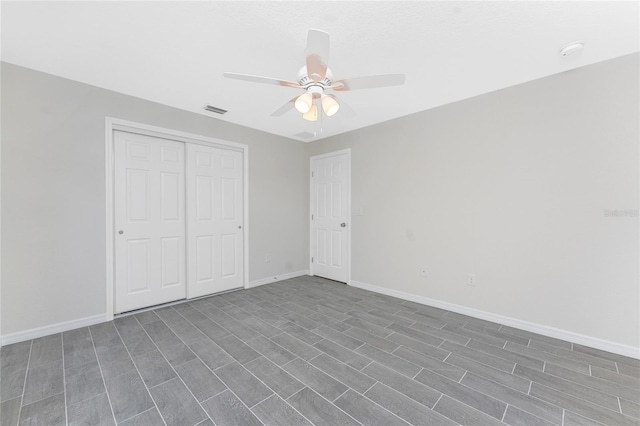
(423, 271)
(471, 280)
(267, 258)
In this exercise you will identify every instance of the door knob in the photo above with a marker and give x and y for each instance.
(343, 225)
(121, 232)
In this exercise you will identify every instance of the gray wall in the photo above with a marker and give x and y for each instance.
(512, 186)
(53, 194)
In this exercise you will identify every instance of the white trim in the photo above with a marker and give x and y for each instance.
(332, 154)
(47, 330)
(277, 278)
(0, 230)
(593, 342)
(109, 225)
(112, 124)
(346, 151)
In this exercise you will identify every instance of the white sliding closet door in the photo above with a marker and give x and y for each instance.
(149, 212)
(215, 220)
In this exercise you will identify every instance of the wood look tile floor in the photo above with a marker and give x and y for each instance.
(311, 351)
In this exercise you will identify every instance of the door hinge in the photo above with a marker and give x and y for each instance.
(311, 174)
(312, 260)
(311, 217)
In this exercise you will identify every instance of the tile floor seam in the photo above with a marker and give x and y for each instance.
(138, 371)
(261, 401)
(591, 386)
(237, 397)
(591, 403)
(289, 362)
(473, 390)
(387, 410)
(296, 410)
(363, 343)
(370, 387)
(418, 373)
(174, 371)
(136, 415)
(328, 402)
(217, 394)
(273, 392)
(233, 334)
(345, 391)
(104, 382)
(43, 398)
(438, 400)
(330, 376)
(64, 381)
(217, 368)
(555, 387)
(24, 384)
(519, 408)
(505, 413)
(370, 362)
(310, 359)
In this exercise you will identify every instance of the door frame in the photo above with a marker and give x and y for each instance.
(115, 124)
(346, 151)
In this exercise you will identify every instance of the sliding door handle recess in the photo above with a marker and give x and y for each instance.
(343, 225)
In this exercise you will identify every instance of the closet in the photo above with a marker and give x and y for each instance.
(178, 220)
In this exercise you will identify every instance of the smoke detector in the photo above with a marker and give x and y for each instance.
(571, 48)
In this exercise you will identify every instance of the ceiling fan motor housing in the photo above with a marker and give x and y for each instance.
(305, 81)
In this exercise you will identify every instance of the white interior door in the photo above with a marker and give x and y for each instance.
(330, 213)
(215, 218)
(149, 210)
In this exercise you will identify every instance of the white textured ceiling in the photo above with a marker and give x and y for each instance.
(175, 52)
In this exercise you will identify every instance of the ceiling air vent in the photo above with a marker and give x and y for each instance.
(304, 135)
(217, 110)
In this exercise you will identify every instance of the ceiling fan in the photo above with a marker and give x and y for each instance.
(315, 79)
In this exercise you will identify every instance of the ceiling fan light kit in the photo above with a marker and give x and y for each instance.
(304, 102)
(329, 105)
(315, 78)
(312, 115)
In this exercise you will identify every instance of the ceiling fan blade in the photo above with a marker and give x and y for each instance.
(285, 108)
(260, 79)
(369, 82)
(317, 54)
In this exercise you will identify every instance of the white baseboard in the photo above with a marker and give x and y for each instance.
(277, 278)
(34, 333)
(545, 330)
